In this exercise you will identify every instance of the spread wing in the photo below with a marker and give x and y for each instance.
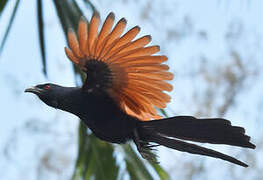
(121, 65)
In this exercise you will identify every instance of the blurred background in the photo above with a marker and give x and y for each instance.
(214, 50)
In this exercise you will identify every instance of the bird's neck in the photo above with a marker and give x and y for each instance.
(70, 100)
(84, 104)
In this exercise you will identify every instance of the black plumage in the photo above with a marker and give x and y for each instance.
(124, 85)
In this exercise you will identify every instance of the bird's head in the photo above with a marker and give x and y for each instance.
(48, 93)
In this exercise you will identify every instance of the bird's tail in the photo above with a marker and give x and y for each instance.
(166, 132)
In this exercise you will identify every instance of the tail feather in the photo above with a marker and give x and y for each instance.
(194, 149)
(167, 131)
(215, 131)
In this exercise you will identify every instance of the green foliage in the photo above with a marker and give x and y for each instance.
(2, 5)
(95, 158)
(41, 34)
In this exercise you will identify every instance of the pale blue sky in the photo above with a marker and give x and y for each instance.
(31, 130)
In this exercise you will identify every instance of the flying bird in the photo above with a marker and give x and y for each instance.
(125, 84)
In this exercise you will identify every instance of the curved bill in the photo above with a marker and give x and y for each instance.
(33, 89)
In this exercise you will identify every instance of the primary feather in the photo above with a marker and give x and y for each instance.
(131, 64)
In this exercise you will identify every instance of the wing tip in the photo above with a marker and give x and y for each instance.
(123, 20)
(111, 15)
(138, 28)
(157, 48)
(96, 14)
(165, 58)
(149, 37)
(70, 30)
(83, 20)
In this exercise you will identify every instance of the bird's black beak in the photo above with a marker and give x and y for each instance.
(34, 90)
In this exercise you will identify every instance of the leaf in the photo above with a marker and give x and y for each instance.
(163, 112)
(95, 158)
(90, 5)
(2, 6)
(79, 168)
(41, 34)
(160, 171)
(135, 166)
(105, 163)
(9, 26)
(63, 16)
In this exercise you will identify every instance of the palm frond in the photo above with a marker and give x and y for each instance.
(2, 44)
(2, 6)
(41, 33)
(135, 167)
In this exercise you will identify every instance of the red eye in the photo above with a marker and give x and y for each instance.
(47, 87)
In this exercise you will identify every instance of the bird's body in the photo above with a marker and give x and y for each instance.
(110, 123)
(100, 113)
(125, 84)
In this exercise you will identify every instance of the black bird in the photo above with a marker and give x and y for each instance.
(125, 84)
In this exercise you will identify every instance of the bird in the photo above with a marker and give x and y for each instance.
(125, 85)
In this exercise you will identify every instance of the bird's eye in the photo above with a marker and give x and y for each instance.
(47, 87)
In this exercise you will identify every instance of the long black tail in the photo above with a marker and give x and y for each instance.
(166, 132)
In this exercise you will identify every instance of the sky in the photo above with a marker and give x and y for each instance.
(200, 39)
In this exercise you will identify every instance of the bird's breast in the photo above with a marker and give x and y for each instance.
(107, 121)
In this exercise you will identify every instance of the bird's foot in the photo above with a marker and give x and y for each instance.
(145, 148)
